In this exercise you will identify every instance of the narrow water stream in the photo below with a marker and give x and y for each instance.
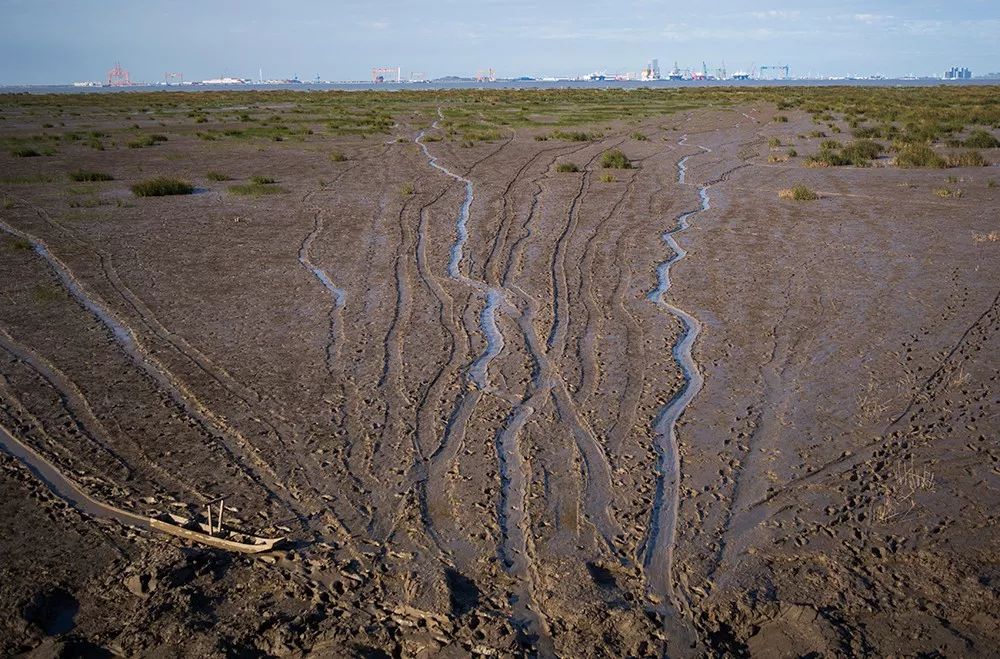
(659, 547)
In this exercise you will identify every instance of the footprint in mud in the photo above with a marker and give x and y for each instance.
(463, 593)
(52, 610)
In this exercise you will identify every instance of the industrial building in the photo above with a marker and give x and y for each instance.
(955, 73)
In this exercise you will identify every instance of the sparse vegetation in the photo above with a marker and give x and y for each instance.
(338, 156)
(574, 136)
(564, 167)
(607, 178)
(774, 143)
(919, 155)
(981, 139)
(217, 176)
(615, 159)
(639, 137)
(792, 153)
(258, 186)
(968, 158)
(781, 119)
(84, 175)
(146, 141)
(161, 187)
(798, 193)
(948, 193)
(25, 152)
(407, 189)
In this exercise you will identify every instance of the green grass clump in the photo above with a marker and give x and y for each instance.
(564, 167)
(337, 156)
(615, 159)
(919, 155)
(981, 139)
(84, 175)
(217, 176)
(46, 293)
(33, 178)
(258, 186)
(970, 158)
(774, 143)
(161, 187)
(607, 178)
(574, 136)
(19, 244)
(146, 141)
(407, 189)
(639, 137)
(24, 152)
(792, 153)
(798, 193)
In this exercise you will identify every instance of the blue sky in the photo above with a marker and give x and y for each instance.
(65, 40)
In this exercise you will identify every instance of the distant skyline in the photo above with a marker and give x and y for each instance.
(60, 41)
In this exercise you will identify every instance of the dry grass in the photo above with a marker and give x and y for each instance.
(895, 495)
(798, 193)
(991, 237)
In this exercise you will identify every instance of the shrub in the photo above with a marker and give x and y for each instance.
(567, 167)
(24, 152)
(262, 180)
(798, 193)
(639, 137)
(607, 178)
(970, 158)
(781, 119)
(407, 189)
(829, 144)
(615, 159)
(161, 186)
(817, 133)
(256, 189)
(337, 156)
(83, 175)
(774, 143)
(991, 183)
(573, 136)
(792, 153)
(776, 157)
(948, 192)
(981, 139)
(919, 155)
(142, 142)
(217, 176)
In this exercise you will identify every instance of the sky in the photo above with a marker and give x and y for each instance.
(59, 41)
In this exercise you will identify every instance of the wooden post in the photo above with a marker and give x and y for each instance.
(209, 508)
(221, 502)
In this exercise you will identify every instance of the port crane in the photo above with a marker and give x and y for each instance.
(382, 73)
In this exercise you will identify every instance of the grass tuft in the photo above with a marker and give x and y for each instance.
(969, 158)
(83, 175)
(798, 193)
(24, 152)
(981, 139)
(161, 187)
(567, 167)
(919, 155)
(217, 176)
(615, 159)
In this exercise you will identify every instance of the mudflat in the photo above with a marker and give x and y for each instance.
(515, 373)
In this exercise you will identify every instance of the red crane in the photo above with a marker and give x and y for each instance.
(118, 77)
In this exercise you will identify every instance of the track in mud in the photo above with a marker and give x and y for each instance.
(472, 403)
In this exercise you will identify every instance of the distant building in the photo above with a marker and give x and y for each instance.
(956, 73)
